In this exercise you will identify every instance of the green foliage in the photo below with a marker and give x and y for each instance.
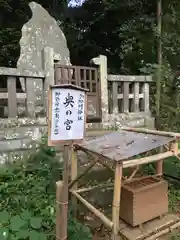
(27, 199)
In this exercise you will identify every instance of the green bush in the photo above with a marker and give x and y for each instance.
(27, 199)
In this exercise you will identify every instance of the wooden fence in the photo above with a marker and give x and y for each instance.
(86, 77)
(128, 94)
(125, 94)
(16, 103)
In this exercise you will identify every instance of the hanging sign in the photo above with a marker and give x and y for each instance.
(67, 113)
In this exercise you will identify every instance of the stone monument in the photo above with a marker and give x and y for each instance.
(39, 32)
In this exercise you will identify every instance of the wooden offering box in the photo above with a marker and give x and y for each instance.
(143, 199)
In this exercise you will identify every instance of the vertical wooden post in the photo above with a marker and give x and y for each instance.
(159, 168)
(12, 101)
(174, 147)
(102, 62)
(65, 193)
(115, 97)
(48, 60)
(146, 97)
(116, 201)
(126, 97)
(59, 190)
(74, 173)
(136, 97)
(30, 97)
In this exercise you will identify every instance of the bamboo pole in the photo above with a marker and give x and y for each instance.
(74, 174)
(94, 155)
(116, 201)
(159, 168)
(159, 164)
(82, 190)
(151, 131)
(146, 160)
(64, 208)
(163, 232)
(107, 222)
(82, 174)
(133, 173)
(59, 190)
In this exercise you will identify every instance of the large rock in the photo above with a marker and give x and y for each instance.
(39, 32)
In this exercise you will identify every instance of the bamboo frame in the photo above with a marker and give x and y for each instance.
(158, 158)
(107, 222)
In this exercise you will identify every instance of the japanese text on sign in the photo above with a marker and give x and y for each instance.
(68, 114)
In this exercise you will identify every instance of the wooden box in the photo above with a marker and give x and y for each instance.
(143, 199)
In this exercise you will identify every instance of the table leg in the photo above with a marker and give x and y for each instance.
(116, 201)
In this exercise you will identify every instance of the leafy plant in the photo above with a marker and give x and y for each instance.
(27, 198)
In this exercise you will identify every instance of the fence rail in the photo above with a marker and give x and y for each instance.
(4, 71)
(128, 93)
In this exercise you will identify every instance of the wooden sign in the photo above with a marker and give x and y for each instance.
(67, 113)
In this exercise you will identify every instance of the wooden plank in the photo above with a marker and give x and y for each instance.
(48, 72)
(12, 101)
(4, 71)
(126, 97)
(126, 78)
(131, 96)
(18, 95)
(75, 66)
(90, 81)
(77, 76)
(136, 97)
(115, 96)
(85, 78)
(146, 97)
(57, 75)
(30, 97)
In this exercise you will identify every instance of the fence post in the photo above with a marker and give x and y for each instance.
(101, 61)
(48, 59)
(146, 96)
